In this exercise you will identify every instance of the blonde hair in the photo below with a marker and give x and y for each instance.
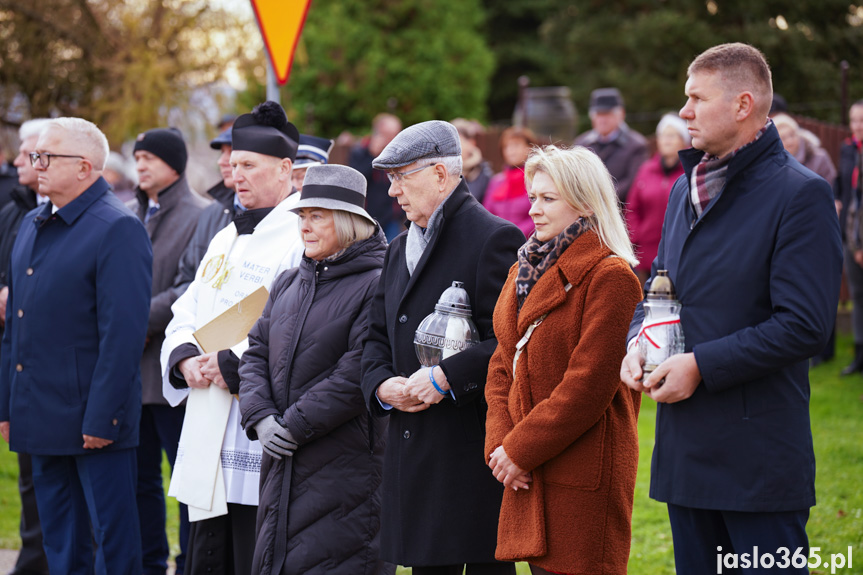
(351, 228)
(584, 183)
(786, 120)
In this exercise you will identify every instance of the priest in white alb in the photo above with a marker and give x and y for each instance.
(218, 467)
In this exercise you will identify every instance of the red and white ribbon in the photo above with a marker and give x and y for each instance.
(647, 326)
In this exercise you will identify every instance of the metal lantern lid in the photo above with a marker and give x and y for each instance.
(455, 300)
(661, 287)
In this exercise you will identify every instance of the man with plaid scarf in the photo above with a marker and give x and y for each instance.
(751, 242)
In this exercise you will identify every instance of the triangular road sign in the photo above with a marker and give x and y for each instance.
(281, 22)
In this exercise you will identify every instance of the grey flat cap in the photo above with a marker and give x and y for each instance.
(434, 139)
(334, 187)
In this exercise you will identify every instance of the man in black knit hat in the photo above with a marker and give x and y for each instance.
(218, 467)
(169, 210)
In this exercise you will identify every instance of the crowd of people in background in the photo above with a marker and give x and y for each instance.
(318, 442)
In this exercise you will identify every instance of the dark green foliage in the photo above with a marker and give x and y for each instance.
(644, 47)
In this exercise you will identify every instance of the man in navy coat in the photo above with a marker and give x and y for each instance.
(751, 242)
(70, 385)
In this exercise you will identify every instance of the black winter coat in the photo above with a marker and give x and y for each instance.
(440, 502)
(322, 514)
(23, 199)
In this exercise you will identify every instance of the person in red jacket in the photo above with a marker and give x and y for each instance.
(649, 193)
(506, 196)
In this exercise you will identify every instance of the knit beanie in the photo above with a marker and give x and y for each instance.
(167, 144)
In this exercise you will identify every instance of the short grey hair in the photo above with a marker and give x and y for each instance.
(351, 228)
(93, 143)
(453, 164)
(32, 128)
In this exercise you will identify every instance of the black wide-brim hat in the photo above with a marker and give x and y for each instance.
(266, 130)
(334, 187)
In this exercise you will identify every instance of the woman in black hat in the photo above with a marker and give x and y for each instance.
(300, 393)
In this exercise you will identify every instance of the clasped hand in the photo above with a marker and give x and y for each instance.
(507, 472)
(673, 380)
(202, 371)
(415, 393)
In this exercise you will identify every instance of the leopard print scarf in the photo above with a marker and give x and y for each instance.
(535, 257)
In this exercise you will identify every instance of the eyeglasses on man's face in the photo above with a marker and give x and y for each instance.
(400, 176)
(43, 159)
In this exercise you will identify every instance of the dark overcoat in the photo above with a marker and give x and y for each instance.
(622, 156)
(23, 199)
(170, 230)
(76, 319)
(322, 515)
(440, 500)
(758, 277)
(845, 186)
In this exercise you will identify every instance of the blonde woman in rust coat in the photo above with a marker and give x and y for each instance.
(561, 432)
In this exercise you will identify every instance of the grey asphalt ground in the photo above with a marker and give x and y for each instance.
(7, 559)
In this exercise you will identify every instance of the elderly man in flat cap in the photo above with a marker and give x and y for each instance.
(620, 148)
(440, 503)
(218, 467)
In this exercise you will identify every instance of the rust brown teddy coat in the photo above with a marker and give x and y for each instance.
(567, 419)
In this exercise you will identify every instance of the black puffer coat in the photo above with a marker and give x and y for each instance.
(322, 514)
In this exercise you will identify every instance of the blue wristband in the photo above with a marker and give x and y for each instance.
(434, 383)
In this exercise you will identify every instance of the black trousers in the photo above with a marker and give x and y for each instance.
(31, 558)
(700, 533)
(223, 545)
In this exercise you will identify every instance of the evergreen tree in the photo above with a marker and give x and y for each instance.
(643, 47)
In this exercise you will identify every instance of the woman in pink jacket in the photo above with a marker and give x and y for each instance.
(506, 195)
(648, 196)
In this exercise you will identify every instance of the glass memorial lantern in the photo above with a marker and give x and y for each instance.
(448, 330)
(661, 334)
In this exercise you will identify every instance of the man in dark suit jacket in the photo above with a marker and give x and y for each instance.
(440, 503)
(733, 458)
(70, 384)
(170, 212)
